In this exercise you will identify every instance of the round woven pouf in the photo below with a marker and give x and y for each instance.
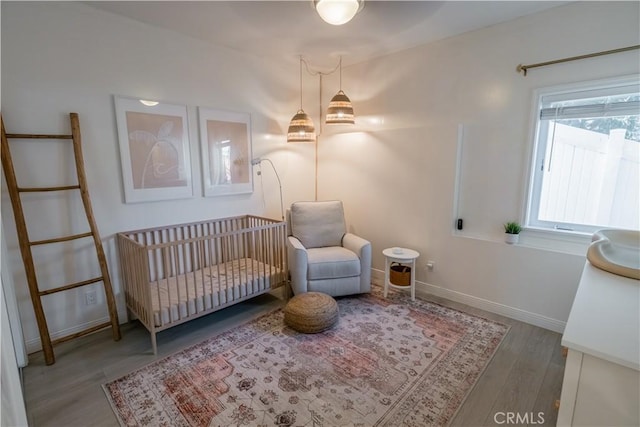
(311, 312)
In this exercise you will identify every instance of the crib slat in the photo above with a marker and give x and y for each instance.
(201, 255)
(226, 268)
(165, 265)
(221, 290)
(175, 251)
(211, 262)
(184, 268)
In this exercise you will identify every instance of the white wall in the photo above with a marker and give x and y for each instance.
(59, 57)
(397, 178)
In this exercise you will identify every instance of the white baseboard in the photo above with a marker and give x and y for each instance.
(33, 345)
(377, 277)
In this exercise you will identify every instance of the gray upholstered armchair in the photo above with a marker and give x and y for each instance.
(323, 257)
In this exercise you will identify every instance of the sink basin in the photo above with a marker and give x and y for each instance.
(616, 251)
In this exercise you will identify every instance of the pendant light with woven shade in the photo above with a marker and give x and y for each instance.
(301, 128)
(340, 110)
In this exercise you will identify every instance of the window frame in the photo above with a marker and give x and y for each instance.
(537, 153)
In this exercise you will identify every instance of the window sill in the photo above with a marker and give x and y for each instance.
(568, 242)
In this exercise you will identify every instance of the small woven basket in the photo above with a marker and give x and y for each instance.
(400, 275)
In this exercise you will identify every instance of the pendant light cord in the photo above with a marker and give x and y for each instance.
(301, 60)
(317, 73)
(320, 74)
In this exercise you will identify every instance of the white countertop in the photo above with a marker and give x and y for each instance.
(605, 318)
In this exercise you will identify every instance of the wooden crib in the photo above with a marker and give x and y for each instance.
(177, 273)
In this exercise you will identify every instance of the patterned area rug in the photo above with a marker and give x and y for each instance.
(387, 362)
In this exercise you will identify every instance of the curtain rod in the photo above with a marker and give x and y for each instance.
(524, 68)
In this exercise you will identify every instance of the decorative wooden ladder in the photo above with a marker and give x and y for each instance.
(26, 244)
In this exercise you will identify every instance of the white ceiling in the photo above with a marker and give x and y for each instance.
(284, 30)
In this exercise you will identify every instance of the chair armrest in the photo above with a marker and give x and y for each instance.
(298, 264)
(362, 248)
(294, 244)
(355, 243)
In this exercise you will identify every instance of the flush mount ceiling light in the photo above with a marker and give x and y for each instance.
(340, 110)
(301, 128)
(337, 12)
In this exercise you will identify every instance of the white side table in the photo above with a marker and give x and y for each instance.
(402, 256)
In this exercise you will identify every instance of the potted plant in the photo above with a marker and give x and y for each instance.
(512, 232)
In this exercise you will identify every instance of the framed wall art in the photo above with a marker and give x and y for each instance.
(225, 142)
(154, 150)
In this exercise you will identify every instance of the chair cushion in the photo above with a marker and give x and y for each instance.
(318, 224)
(332, 262)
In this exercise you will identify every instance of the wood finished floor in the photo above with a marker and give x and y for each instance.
(524, 376)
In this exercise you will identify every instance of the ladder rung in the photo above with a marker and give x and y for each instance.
(81, 333)
(61, 239)
(71, 286)
(38, 189)
(32, 136)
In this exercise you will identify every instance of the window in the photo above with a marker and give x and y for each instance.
(585, 169)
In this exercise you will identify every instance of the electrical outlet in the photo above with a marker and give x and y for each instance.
(430, 265)
(90, 297)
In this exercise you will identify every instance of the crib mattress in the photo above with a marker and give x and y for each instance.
(184, 295)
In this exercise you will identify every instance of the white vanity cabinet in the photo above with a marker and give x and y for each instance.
(601, 385)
